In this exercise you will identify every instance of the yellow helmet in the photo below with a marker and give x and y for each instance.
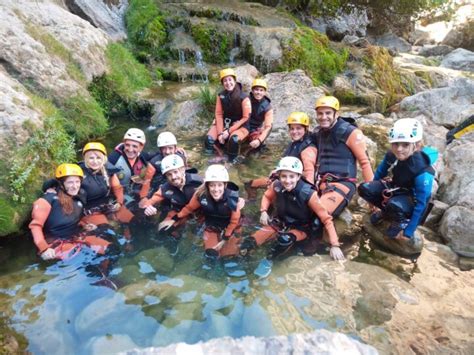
(65, 170)
(298, 118)
(260, 82)
(328, 101)
(226, 72)
(94, 146)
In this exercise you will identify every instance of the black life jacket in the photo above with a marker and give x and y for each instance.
(405, 172)
(61, 225)
(176, 199)
(119, 160)
(334, 156)
(259, 109)
(217, 213)
(232, 104)
(95, 185)
(292, 206)
(294, 149)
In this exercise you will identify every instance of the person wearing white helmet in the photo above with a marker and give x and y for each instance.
(219, 202)
(129, 158)
(403, 181)
(295, 202)
(176, 192)
(167, 145)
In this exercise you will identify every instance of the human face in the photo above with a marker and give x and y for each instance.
(168, 150)
(176, 177)
(326, 117)
(132, 149)
(72, 185)
(94, 160)
(258, 92)
(216, 189)
(228, 82)
(289, 179)
(296, 131)
(403, 150)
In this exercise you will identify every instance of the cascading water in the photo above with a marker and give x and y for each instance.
(182, 56)
(201, 74)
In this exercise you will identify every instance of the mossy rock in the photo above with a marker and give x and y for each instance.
(10, 217)
(215, 43)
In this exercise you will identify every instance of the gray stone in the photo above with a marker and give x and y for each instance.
(456, 228)
(462, 35)
(460, 59)
(319, 341)
(444, 106)
(444, 252)
(393, 42)
(435, 50)
(353, 23)
(433, 219)
(466, 264)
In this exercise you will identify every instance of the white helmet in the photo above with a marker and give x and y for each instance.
(165, 139)
(408, 130)
(135, 134)
(171, 162)
(291, 164)
(216, 172)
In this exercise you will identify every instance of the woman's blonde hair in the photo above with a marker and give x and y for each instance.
(103, 168)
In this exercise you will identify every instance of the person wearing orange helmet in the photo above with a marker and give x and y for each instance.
(233, 110)
(56, 218)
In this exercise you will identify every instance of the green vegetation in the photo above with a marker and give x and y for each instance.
(8, 216)
(207, 98)
(218, 14)
(310, 51)
(146, 27)
(214, 43)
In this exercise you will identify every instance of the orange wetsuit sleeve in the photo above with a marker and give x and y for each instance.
(356, 143)
(219, 116)
(39, 215)
(315, 204)
(155, 199)
(149, 173)
(308, 158)
(246, 111)
(117, 189)
(267, 125)
(192, 206)
(233, 223)
(268, 198)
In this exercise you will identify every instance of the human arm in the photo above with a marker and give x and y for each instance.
(234, 220)
(39, 215)
(308, 158)
(219, 116)
(356, 143)
(267, 199)
(246, 111)
(149, 173)
(422, 189)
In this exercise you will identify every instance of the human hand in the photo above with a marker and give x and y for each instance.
(89, 227)
(219, 245)
(166, 224)
(116, 207)
(150, 211)
(143, 203)
(221, 139)
(336, 253)
(48, 254)
(264, 218)
(255, 143)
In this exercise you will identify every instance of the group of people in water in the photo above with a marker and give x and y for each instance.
(312, 183)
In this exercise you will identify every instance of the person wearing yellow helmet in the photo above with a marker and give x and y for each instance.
(233, 110)
(56, 217)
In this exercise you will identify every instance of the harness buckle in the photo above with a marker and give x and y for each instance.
(227, 122)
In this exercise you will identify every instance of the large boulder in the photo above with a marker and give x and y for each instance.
(447, 106)
(456, 229)
(344, 24)
(106, 15)
(460, 59)
(392, 42)
(462, 33)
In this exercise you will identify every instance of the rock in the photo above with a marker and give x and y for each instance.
(466, 264)
(159, 259)
(106, 15)
(444, 106)
(245, 75)
(435, 50)
(353, 23)
(460, 59)
(291, 91)
(433, 219)
(16, 109)
(455, 180)
(110, 344)
(403, 248)
(431, 235)
(444, 252)
(318, 341)
(392, 42)
(462, 33)
(456, 228)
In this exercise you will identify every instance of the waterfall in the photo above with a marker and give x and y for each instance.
(182, 56)
(201, 73)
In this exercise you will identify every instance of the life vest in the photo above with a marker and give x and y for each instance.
(232, 108)
(294, 149)
(259, 109)
(119, 160)
(217, 213)
(334, 156)
(176, 199)
(292, 206)
(61, 225)
(95, 185)
(404, 172)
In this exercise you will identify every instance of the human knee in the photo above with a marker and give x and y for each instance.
(209, 142)
(234, 139)
(366, 191)
(395, 209)
(286, 239)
